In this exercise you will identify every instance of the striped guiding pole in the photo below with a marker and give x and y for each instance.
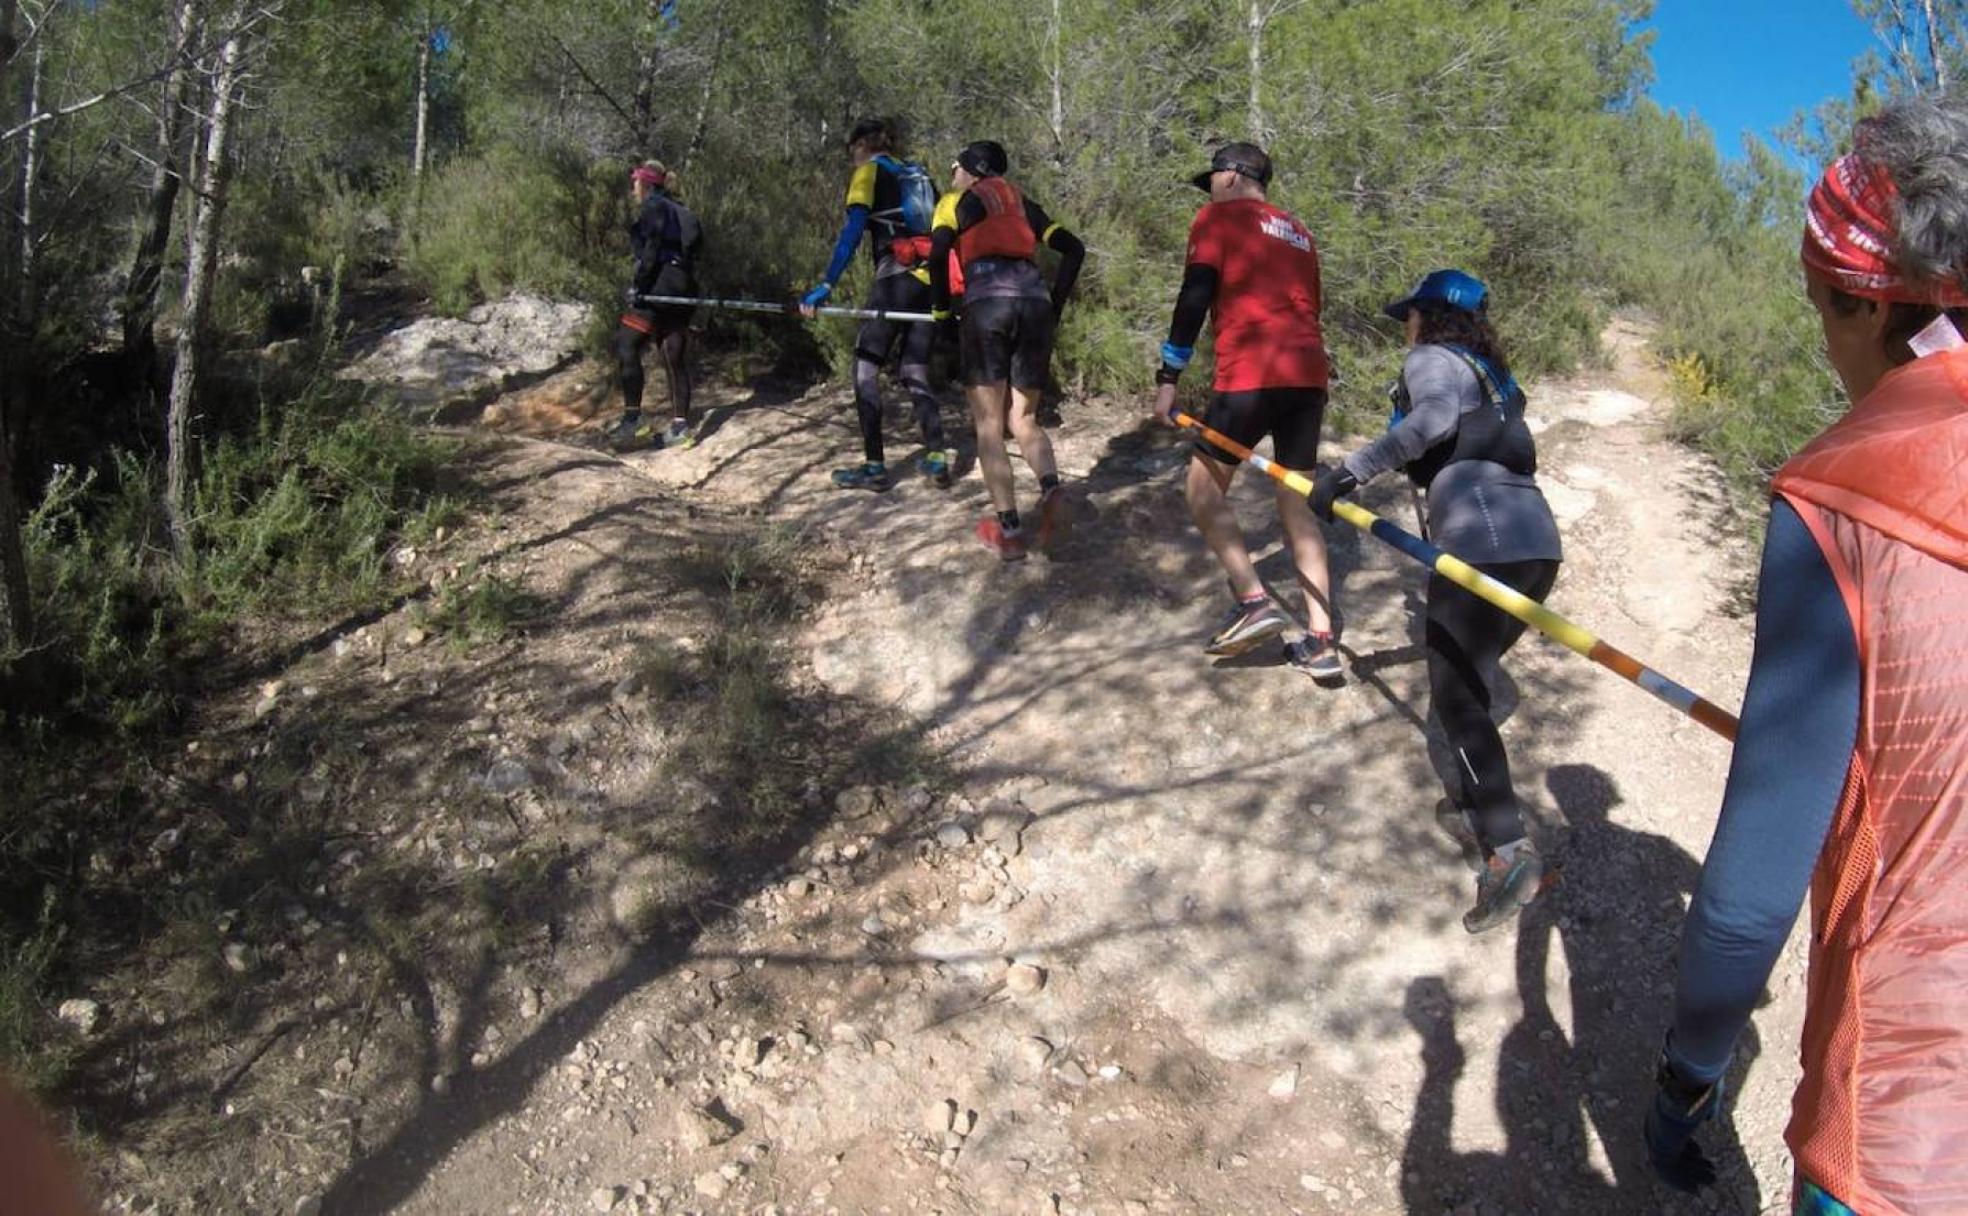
(1474, 581)
(784, 310)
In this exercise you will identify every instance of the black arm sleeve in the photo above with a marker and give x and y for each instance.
(1192, 303)
(940, 242)
(1071, 251)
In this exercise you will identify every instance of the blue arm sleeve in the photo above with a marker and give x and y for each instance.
(1800, 717)
(850, 237)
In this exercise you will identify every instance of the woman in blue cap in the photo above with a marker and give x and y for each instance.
(1459, 433)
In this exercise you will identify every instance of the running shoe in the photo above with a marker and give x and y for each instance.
(1055, 518)
(1456, 825)
(632, 433)
(1505, 888)
(935, 465)
(1246, 627)
(1317, 655)
(863, 477)
(681, 435)
(1009, 546)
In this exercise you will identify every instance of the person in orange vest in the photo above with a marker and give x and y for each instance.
(1009, 317)
(1850, 775)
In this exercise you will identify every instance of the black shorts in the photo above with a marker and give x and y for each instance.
(1290, 416)
(1009, 338)
(876, 339)
(659, 320)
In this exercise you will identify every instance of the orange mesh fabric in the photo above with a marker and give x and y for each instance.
(1881, 1116)
(1003, 232)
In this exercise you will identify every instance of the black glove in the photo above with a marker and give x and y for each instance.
(1680, 1107)
(1331, 484)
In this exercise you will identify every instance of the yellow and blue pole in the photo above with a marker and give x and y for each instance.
(1474, 581)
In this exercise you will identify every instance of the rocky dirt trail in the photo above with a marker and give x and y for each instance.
(1168, 935)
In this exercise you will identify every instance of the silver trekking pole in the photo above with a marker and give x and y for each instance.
(865, 314)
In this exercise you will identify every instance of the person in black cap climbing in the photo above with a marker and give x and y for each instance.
(1253, 267)
(892, 201)
(1005, 332)
(1460, 435)
(664, 238)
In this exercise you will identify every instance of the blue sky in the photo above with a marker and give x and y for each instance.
(1748, 65)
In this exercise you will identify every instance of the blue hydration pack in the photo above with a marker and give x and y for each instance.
(918, 194)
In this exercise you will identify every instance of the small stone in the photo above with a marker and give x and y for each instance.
(83, 1014)
(167, 840)
(529, 1003)
(711, 1185)
(874, 925)
(507, 777)
(1024, 979)
(978, 892)
(857, 803)
(732, 1171)
(605, 1198)
(1315, 1184)
(942, 1115)
(701, 1127)
(238, 956)
(441, 1084)
(1110, 1072)
(1002, 822)
(799, 887)
(850, 1035)
(415, 636)
(1071, 1073)
(308, 1205)
(1285, 1084)
(952, 836)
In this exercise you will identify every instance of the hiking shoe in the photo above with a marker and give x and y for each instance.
(1055, 518)
(1317, 655)
(1009, 546)
(863, 477)
(1504, 888)
(936, 466)
(1246, 627)
(1457, 826)
(632, 433)
(681, 435)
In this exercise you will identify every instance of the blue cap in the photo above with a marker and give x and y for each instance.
(1465, 291)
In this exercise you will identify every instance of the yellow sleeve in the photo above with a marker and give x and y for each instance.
(946, 211)
(861, 187)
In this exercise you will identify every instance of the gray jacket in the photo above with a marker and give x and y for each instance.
(1477, 510)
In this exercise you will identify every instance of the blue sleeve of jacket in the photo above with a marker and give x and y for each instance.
(850, 237)
(1799, 720)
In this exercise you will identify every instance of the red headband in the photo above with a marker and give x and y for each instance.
(1848, 239)
(643, 173)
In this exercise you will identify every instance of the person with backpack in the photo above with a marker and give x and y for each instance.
(1850, 774)
(1459, 434)
(664, 238)
(1252, 270)
(893, 202)
(1005, 332)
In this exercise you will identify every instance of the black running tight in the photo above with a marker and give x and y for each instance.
(673, 347)
(1465, 638)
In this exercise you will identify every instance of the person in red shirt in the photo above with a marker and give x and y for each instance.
(1254, 271)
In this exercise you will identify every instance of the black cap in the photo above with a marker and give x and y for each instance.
(871, 128)
(984, 158)
(1247, 159)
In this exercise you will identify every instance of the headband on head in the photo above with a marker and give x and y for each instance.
(1848, 239)
(653, 177)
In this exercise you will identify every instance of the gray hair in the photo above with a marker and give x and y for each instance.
(1922, 144)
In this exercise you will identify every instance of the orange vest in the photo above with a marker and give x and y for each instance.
(1880, 1119)
(1003, 232)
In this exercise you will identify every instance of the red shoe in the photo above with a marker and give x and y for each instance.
(1009, 546)
(1055, 518)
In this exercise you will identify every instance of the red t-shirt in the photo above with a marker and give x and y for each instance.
(1266, 315)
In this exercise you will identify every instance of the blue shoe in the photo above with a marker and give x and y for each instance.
(863, 477)
(1508, 883)
(935, 465)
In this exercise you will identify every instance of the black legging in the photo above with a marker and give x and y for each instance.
(906, 293)
(672, 345)
(1465, 637)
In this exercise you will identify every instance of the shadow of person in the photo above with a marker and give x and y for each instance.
(1530, 1174)
(1616, 913)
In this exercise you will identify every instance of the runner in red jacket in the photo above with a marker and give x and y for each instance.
(1253, 269)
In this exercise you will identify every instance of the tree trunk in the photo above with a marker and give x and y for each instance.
(30, 169)
(1934, 47)
(1255, 118)
(700, 128)
(16, 612)
(418, 149)
(1057, 114)
(644, 103)
(166, 182)
(199, 270)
